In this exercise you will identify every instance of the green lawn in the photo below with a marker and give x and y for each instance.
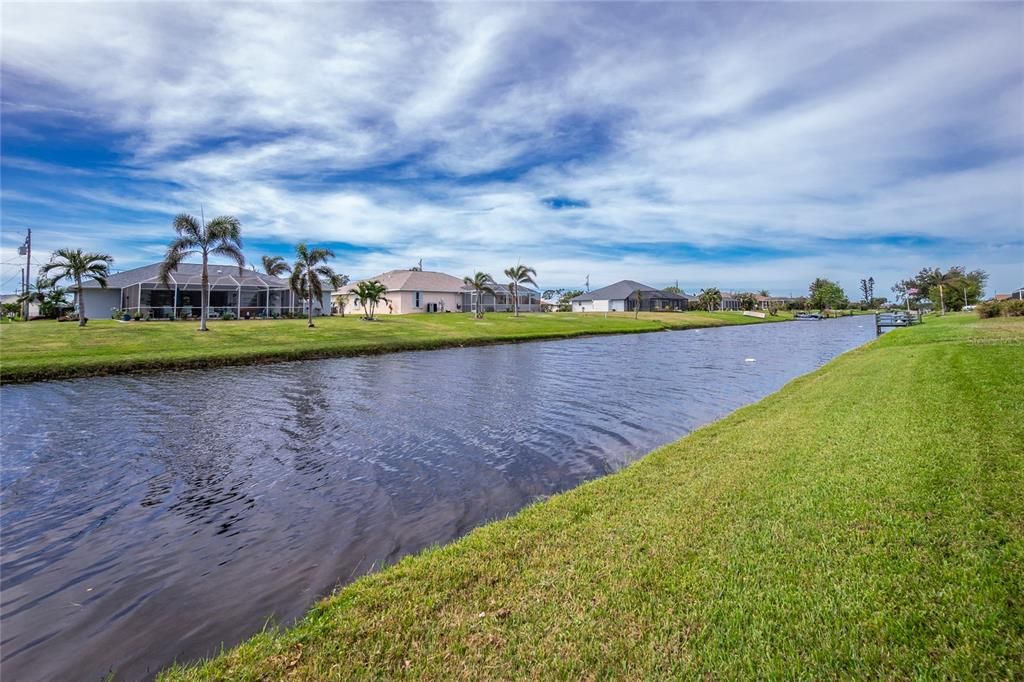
(867, 521)
(45, 349)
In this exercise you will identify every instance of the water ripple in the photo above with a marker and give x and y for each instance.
(151, 518)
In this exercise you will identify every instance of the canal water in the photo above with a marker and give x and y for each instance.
(147, 519)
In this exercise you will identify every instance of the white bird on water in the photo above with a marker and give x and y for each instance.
(750, 360)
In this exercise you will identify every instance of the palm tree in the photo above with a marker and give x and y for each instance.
(639, 303)
(222, 236)
(710, 298)
(763, 292)
(55, 301)
(310, 273)
(76, 264)
(940, 279)
(370, 293)
(275, 266)
(481, 282)
(35, 293)
(520, 274)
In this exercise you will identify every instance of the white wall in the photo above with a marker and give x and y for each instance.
(99, 302)
(601, 305)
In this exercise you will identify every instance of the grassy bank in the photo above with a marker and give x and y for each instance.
(865, 521)
(50, 350)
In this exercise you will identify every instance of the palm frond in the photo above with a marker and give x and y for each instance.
(225, 228)
(231, 251)
(188, 227)
(172, 259)
(297, 280)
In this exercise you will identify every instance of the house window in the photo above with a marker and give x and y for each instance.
(419, 299)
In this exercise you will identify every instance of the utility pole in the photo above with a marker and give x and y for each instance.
(26, 251)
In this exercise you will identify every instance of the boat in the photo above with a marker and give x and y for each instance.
(807, 316)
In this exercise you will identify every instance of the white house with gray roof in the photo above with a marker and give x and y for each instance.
(626, 296)
(241, 292)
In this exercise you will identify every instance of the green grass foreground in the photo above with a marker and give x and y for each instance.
(45, 349)
(867, 521)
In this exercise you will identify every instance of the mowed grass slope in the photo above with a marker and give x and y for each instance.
(865, 522)
(45, 349)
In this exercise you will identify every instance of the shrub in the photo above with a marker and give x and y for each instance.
(1009, 308)
(227, 315)
(1014, 307)
(987, 309)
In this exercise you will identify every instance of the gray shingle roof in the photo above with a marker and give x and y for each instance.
(622, 290)
(191, 274)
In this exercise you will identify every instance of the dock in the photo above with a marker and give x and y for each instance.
(897, 319)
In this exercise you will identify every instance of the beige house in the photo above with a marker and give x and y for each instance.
(409, 291)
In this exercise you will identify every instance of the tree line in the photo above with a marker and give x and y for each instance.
(951, 289)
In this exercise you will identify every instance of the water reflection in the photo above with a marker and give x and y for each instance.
(148, 519)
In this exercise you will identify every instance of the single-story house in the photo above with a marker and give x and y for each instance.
(33, 308)
(730, 301)
(780, 302)
(501, 300)
(423, 291)
(140, 291)
(623, 296)
(409, 291)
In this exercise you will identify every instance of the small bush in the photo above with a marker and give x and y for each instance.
(227, 315)
(1013, 307)
(987, 309)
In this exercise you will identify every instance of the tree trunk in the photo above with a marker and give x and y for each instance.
(515, 299)
(204, 297)
(81, 301)
(309, 294)
(942, 299)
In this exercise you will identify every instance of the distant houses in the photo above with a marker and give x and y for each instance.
(422, 291)
(626, 296)
(1017, 294)
(140, 293)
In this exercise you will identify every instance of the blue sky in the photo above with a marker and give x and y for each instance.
(744, 146)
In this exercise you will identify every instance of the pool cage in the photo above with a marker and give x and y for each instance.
(501, 300)
(244, 295)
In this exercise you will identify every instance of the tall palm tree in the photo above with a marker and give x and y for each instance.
(481, 282)
(222, 236)
(710, 298)
(518, 275)
(371, 293)
(275, 266)
(76, 264)
(940, 279)
(310, 273)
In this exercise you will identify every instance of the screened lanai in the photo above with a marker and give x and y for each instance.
(244, 293)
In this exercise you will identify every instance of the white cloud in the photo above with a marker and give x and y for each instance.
(743, 124)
